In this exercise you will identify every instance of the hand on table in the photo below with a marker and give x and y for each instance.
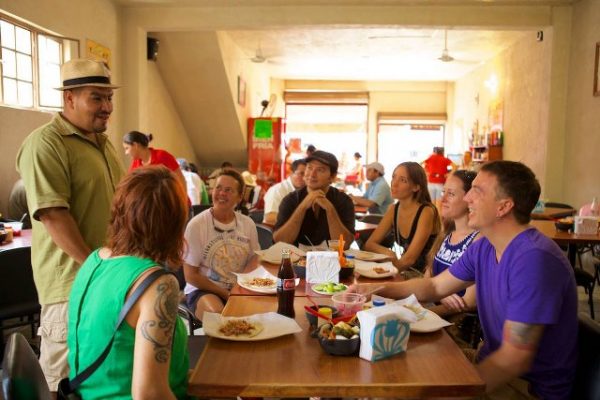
(454, 302)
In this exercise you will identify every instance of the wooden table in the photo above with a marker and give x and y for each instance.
(551, 213)
(360, 227)
(303, 289)
(24, 240)
(296, 366)
(570, 239)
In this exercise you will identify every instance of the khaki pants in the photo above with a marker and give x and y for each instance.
(53, 346)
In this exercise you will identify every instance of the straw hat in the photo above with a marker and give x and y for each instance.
(249, 179)
(84, 72)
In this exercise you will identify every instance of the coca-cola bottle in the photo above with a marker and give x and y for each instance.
(286, 286)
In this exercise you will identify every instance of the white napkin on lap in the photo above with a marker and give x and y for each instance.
(322, 266)
(273, 253)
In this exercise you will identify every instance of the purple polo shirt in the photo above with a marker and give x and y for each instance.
(533, 283)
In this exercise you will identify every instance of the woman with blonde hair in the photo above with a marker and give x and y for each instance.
(413, 220)
(148, 355)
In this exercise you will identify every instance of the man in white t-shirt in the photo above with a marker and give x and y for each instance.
(277, 192)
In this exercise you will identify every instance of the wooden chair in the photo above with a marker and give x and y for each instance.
(587, 375)
(22, 378)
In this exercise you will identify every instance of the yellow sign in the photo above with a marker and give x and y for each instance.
(96, 51)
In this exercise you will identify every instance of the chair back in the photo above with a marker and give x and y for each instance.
(19, 295)
(558, 205)
(257, 216)
(265, 236)
(22, 376)
(587, 375)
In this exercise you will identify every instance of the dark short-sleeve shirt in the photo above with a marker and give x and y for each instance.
(534, 284)
(315, 227)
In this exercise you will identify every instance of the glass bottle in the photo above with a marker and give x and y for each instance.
(286, 286)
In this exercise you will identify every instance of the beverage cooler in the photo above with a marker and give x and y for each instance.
(265, 138)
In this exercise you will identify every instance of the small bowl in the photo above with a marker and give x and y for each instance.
(340, 347)
(346, 272)
(563, 226)
(312, 319)
(348, 303)
(300, 271)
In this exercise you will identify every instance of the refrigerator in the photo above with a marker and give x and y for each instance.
(265, 150)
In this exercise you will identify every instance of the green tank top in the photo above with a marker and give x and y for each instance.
(97, 296)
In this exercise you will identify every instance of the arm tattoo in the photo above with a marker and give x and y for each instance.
(523, 336)
(160, 331)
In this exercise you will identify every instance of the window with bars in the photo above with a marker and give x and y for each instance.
(30, 67)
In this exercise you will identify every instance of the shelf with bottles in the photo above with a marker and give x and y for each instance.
(487, 147)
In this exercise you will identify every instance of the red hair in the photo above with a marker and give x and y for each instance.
(148, 216)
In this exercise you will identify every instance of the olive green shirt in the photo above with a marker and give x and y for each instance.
(61, 167)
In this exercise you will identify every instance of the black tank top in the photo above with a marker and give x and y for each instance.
(405, 242)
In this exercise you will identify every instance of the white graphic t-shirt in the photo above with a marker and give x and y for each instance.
(219, 249)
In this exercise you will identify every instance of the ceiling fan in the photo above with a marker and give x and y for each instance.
(258, 57)
(446, 57)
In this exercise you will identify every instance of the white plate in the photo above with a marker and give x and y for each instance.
(260, 272)
(365, 268)
(327, 293)
(431, 322)
(274, 325)
(366, 255)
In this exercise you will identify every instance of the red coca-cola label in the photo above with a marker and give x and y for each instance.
(286, 284)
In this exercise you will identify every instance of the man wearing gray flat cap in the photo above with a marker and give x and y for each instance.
(70, 170)
(378, 196)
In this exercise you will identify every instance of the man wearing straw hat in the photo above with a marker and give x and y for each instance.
(70, 170)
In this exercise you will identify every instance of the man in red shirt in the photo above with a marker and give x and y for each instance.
(437, 168)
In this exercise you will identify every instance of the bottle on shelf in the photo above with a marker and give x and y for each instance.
(286, 286)
(594, 207)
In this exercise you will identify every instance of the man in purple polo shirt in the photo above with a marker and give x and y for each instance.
(526, 293)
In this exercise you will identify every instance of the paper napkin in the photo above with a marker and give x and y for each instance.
(384, 331)
(322, 266)
(273, 253)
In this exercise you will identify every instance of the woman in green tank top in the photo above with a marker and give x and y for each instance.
(148, 357)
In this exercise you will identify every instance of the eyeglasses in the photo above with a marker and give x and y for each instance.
(226, 190)
(216, 228)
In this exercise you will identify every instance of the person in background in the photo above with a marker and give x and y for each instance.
(204, 196)
(317, 212)
(414, 221)
(356, 176)
(459, 236)
(526, 293)
(212, 178)
(196, 189)
(277, 192)
(437, 168)
(378, 196)
(17, 204)
(136, 146)
(220, 241)
(310, 150)
(149, 356)
(70, 171)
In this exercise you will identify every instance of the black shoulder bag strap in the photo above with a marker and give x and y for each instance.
(137, 293)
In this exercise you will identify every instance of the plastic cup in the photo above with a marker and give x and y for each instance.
(16, 227)
(348, 303)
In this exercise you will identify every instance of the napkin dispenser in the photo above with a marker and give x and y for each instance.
(384, 331)
(322, 266)
(586, 225)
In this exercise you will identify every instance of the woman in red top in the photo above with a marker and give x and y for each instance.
(136, 145)
(437, 168)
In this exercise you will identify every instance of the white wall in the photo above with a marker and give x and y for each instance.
(582, 145)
